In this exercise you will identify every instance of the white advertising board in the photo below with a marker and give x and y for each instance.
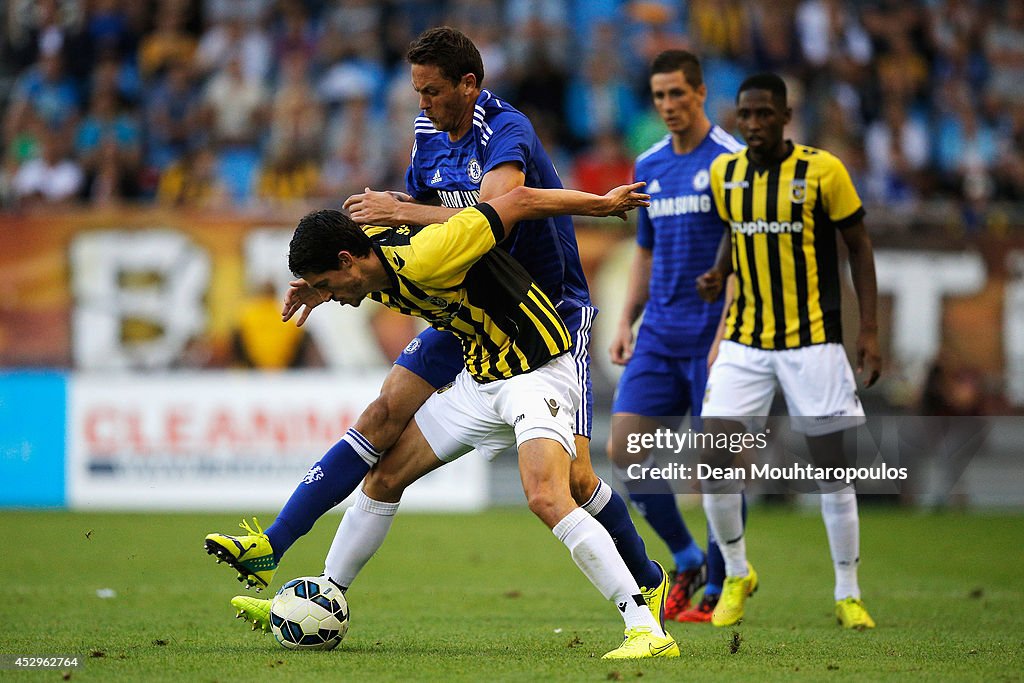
(225, 440)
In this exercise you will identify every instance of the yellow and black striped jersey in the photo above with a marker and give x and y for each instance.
(450, 275)
(783, 219)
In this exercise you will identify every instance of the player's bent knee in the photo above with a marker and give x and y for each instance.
(622, 452)
(375, 423)
(548, 505)
(384, 486)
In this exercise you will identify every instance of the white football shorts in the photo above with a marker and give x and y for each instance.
(816, 381)
(490, 417)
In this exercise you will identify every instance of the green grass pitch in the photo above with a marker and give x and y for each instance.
(494, 596)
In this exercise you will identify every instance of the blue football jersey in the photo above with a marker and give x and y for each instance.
(683, 229)
(452, 171)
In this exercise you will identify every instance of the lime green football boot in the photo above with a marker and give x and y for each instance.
(735, 592)
(851, 613)
(655, 597)
(250, 555)
(253, 609)
(641, 643)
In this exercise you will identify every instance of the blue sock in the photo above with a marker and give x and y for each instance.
(689, 557)
(657, 504)
(608, 508)
(716, 563)
(327, 483)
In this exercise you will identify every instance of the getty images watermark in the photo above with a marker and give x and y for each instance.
(884, 455)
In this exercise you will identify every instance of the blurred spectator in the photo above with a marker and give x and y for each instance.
(1010, 168)
(169, 43)
(109, 29)
(39, 28)
(294, 31)
(599, 100)
(351, 69)
(192, 181)
(359, 153)
(539, 84)
(108, 123)
(172, 110)
(260, 340)
(774, 45)
(110, 180)
(720, 28)
(287, 176)
(898, 149)
(46, 93)
(235, 111)
(965, 145)
(604, 165)
(51, 178)
(1004, 47)
(297, 117)
(235, 38)
(111, 74)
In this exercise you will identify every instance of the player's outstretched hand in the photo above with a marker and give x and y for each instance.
(869, 358)
(621, 349)
(300, 296)
(625, 198)
(376, 208)
(709, 285)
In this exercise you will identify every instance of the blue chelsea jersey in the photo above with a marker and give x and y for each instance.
(452, 171)
(683, 229)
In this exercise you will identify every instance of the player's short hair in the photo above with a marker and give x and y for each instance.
(318, 239)
(449, 50)
(679, 60)
(773, 83)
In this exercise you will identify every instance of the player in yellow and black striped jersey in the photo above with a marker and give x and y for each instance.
(450, 275)
(519, 386)
(506, 324)
(783, 218)
(783, 205)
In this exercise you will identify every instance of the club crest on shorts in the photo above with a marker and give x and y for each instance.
(553, 406)
(798, 191)
(412, 347)
(474, 171)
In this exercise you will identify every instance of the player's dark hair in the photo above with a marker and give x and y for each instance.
(670, 61)
(450, 51)
(318, 239)
(773, 83)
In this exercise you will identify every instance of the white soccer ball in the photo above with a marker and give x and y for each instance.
(309, 613)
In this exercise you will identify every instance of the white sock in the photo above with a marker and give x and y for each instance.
(593, 551)
(598, 499)
(725, 515)
(361, 532)
(839, 510)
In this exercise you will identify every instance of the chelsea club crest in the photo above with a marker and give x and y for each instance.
(701, 179)
(474, 171)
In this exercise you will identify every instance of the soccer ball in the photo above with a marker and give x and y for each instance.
(309, 613)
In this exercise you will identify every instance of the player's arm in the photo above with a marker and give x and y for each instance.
(531, 203)
(862, 267)
(730, 294)
(710, 282)
(397, 208)
(637, 293)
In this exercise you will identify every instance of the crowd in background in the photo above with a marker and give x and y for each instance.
(217, 103)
